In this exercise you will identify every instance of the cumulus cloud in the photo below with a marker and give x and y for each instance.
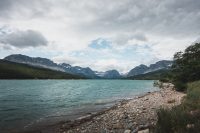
(167, 17)
(10, 9)
(153, 28)
(129, 38)
(22, 39)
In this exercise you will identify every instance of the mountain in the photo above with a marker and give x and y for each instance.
(37, 61)
(143, 69)
(138, 70)
(112, 74)
(13, 70)
(86, 72)
(155, 75)
(46, 63)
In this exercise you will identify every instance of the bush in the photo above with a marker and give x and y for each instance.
(180, 86)
(164, 80)
(186, 66)
(177, 120)
(193, 96)
(170, 121)
(184, 118)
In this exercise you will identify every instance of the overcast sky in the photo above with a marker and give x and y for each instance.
(101, 34)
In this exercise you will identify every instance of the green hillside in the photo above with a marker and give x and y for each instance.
(11, 70)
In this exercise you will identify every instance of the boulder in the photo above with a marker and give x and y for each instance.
(144, 131)
(127, 131)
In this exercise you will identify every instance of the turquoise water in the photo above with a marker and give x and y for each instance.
(24, 103)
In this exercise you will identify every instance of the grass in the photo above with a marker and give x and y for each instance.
(184, 118)
(11, 70)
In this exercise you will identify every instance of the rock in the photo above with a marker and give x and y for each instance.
(127, 131)
(130, 125)
(141, 126)
(134, 123)
(171, 101)
(146, 99)
(117, 126)
(190, 126)
(104, 131)
(135, 130)
(194, 112)
(144, 131)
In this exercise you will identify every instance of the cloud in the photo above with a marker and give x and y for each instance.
(68, 59)
(129, 38)
(197, 41)
(87, 31)
(10, 9)
(122, 59)
(167, 17)
(22, 39)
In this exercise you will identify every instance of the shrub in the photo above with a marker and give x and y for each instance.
(177, 120)
(180, 86)
(184, 118)
(164, 80)
(186, 66)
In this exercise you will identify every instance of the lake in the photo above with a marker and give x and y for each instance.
(28, 103)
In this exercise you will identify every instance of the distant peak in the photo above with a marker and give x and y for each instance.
(141, 69)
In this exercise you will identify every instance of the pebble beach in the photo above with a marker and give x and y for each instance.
(129, 116)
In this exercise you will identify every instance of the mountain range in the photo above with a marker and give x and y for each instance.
(143, 69)
(13, 70)
(86, 72)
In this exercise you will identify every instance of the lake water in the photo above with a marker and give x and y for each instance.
(25, 103)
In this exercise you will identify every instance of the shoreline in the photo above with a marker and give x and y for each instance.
(132, 114)
(87, 116)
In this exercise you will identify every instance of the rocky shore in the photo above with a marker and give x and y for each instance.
(130, 116)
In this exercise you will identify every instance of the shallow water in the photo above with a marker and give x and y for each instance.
(24, 103)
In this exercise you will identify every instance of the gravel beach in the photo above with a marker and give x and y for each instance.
(130, 116)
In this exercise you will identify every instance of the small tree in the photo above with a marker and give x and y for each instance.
(186, 65)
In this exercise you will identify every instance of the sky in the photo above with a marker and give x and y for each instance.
(100, 34)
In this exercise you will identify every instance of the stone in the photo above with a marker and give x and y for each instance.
(135, 130)
(144, 131)
(141, 127)
(130, 125)
(171, 101)
(134, 123)
(190, 126)
(144, 108)
(117, 126)
(127, 131)
(194, 112)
